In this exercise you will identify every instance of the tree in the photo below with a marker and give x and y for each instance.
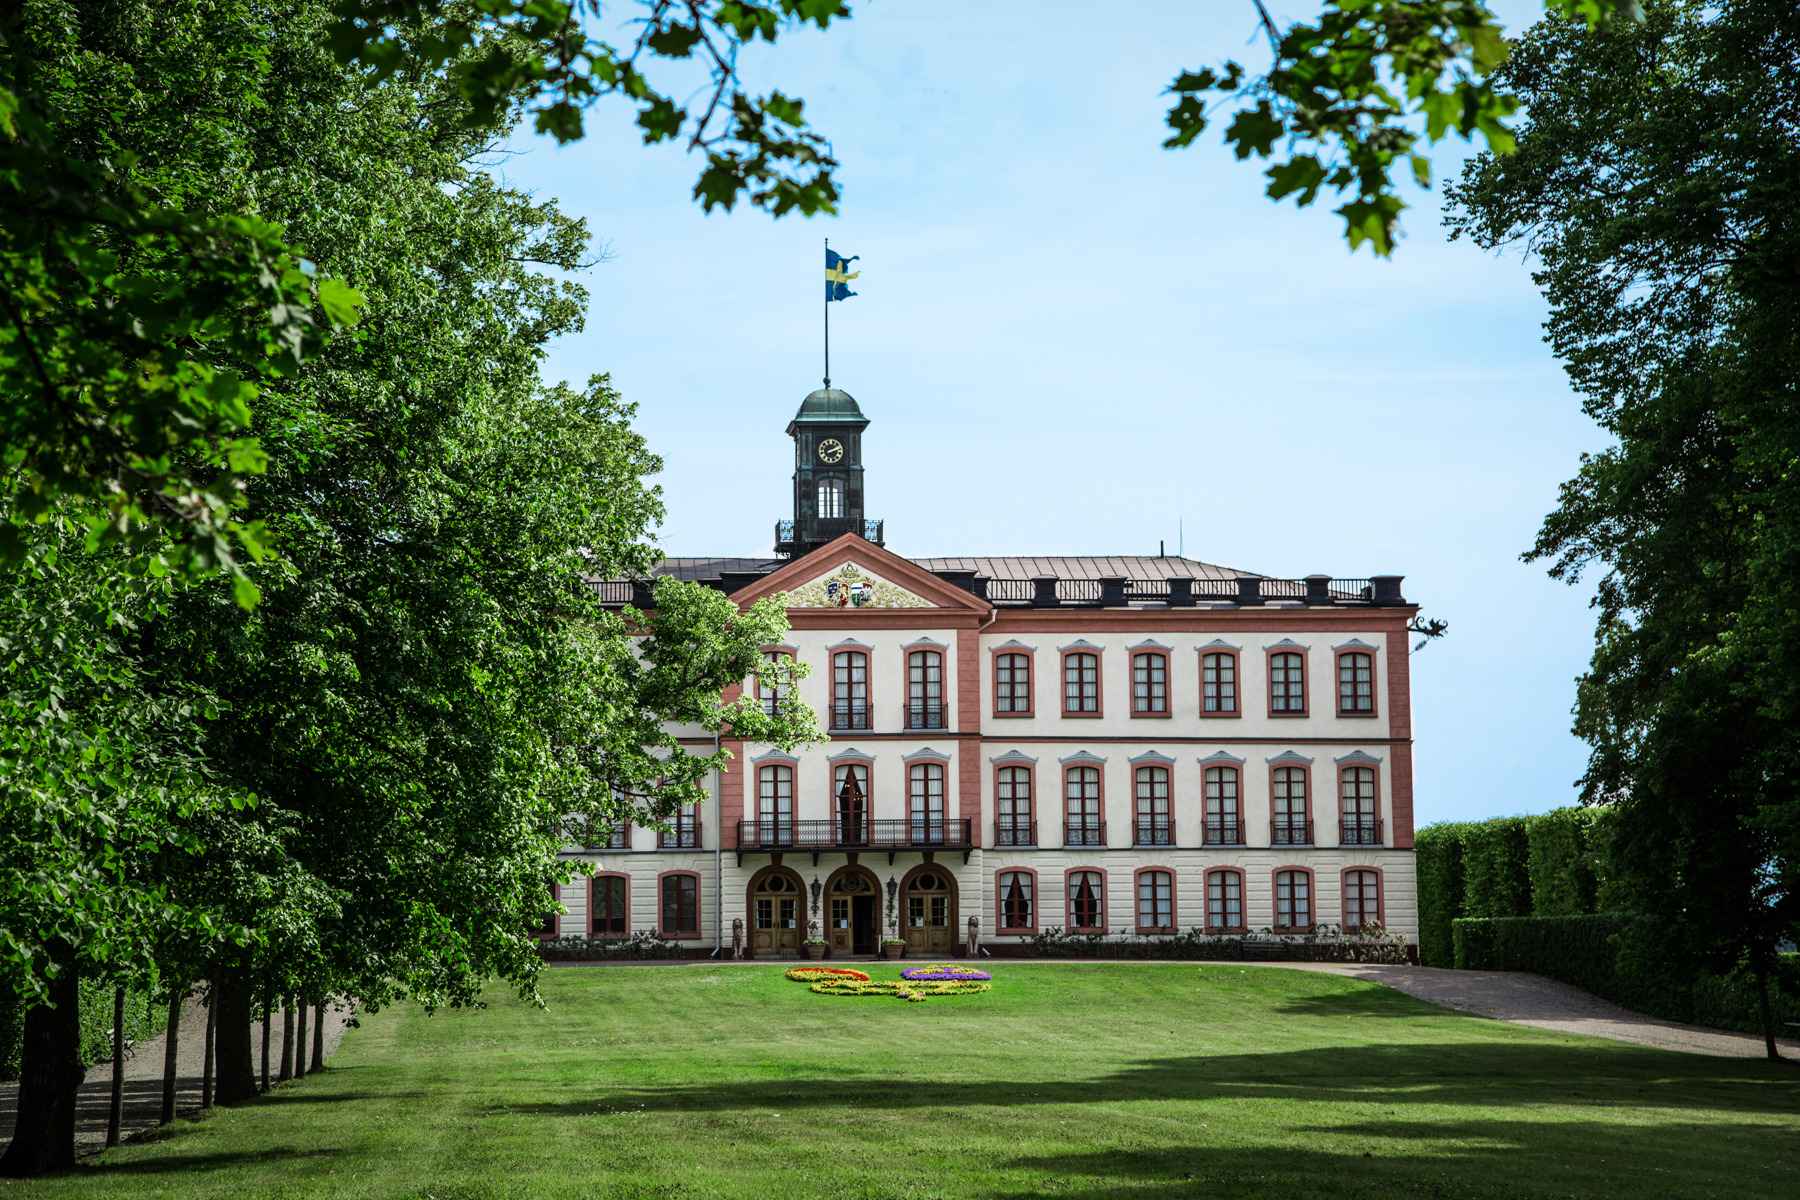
(1657, 182)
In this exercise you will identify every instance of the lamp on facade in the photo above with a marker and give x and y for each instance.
(893, 889)
(817, 887)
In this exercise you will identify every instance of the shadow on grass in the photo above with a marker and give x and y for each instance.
(171, 1163)
(1480, 1075)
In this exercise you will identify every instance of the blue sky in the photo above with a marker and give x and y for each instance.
(1071, 341)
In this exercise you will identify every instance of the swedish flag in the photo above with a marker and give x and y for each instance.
(838, 275)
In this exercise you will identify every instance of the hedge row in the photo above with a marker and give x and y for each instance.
(1552, 864)
(1616, 957)
(145, 1017)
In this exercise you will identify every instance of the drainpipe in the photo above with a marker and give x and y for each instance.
(718, 858)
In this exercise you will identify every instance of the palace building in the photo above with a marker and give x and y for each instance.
(1128, 746)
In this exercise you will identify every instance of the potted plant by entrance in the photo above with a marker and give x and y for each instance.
(893, 948)
(814, 948)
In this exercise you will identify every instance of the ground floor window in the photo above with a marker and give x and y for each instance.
(1362, 899)
(1225, 901)
(1016, 900)
(1155, 901)
(608, 918)
(1293, 901)
(681, 906)
(1087, 902)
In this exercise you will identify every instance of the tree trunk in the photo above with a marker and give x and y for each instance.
(171, 1049)
(300, 1041)
(287, 1040)
(115, 1107)
(318, 1055)
(1765, 1009)
(49, 1076)
(206, 1060)
(236, 1067)
(267, 1013)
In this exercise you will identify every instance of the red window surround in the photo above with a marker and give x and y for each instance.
(1084, 897)
(922, 666)
(1081, 682)
(1084, 805)
(678, 904)
(1290, 803)
(1015, 804)
(1221, 684)
(1359, 804)
(1354, 682)
(547, 924)
(1150, 684)
(1287, 681)
(1016, 908)
(1013, 682)
(1153, 896)
(1296, 900)
(1362, 896)
(1225, 901)
(614, 899)
(769, 694)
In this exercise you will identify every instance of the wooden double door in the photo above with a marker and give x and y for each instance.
(777, 913)
(928, 911)
(853, 912)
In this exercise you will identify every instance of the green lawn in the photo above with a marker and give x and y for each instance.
(1065, 1080)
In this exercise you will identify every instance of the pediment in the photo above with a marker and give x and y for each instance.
(853, 584)
(851, 573)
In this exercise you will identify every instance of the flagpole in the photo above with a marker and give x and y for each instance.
(827, 319)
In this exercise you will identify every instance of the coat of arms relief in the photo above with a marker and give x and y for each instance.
(853, 586)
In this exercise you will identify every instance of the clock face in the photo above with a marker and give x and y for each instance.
(831, 450)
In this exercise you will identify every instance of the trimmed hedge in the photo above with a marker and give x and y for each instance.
(1438, 860)
(145, 1017)
(1560, 862)
(1617, 957)
(1496, 870)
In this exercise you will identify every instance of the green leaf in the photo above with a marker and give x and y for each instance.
(1421, 168)
(246, 592)
(341, 302)
(1303, 173)
(1254, 131)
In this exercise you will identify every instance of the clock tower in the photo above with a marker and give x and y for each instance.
(828, 474)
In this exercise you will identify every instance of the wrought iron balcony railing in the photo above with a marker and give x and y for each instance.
(1359, 831)
(1080, 831)
(898, 833)
(1223, 831)
(1153, 831)
(1289, 832)
(1015, 833)
(926, 714)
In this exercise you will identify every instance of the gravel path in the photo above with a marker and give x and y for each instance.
(144, 1073)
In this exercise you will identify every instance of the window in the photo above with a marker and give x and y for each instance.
(609, 835)
(680, 905)
(684, 830)
(1224, 819)
(768, 687)
(546, 926)
(1013, 825)
(1087, 902)
(850, 792)
(1218, 684)
(1225, 901)
(1362, 900)
(1360, 821)
(1012, 685)
(1287, 684)
(1018, 909)
(1084, 825)
(1149, 684)
(1081, 684)
(1293, 901)
(1155, 827)
(1155, 901)
(1356, 684)
(775, 805)
(925, 802)
(607, 916)
(850, 690)
(1290, 822)
(831, 498)
(924, 690)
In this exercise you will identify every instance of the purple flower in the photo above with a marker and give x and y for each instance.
(950, 971)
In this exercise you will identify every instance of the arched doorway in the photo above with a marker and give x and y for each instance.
(777, 902)
(928, 910)
(853, 911)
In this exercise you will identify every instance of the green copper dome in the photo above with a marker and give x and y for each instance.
(829, 406)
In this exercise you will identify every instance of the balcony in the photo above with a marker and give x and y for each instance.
(684, 836)
(1223, 831)
(926, 714)
(1084, 832)
(1359, 831)
(1015, 833)
(1287, 832)
(889, 834)
(1153, 831)
(849, 717)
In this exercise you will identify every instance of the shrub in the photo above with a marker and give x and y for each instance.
(145, 1016)
(1560, 862)
(642, 944)
(1438, 856)
(1496, 873)
(1327, 943)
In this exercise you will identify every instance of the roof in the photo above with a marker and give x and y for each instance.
(710, 568)
(829, 405)
(1085, 566)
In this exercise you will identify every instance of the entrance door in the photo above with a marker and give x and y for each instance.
(775, 915)
(930, 913)
(850, 905)
(862, 924)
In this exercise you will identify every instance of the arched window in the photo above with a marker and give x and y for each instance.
(1293, 901)
(680, 904)
(925, 802)
(1083, 824)
(924, 689)
(1012, 685)
(850, 690)
(1218, 684)
(1081, 684)
(1359, 818)
(1224, 819)
(850, 802)
(775, 805)
(546, 926)
(1087, 902)
(1362, 900)
(683, 832)
(1356, 684)
(1225, 901)
(1013, 823)
(608, 912)
(1287, 684)
(1018, 901)
(1155, 901)
(1149, 684)
(1155, 824)
(831, 498)
(768, 685)
(1290, 821)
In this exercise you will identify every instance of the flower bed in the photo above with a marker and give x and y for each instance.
(827, 974)
(941, 971)
(904, 989)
